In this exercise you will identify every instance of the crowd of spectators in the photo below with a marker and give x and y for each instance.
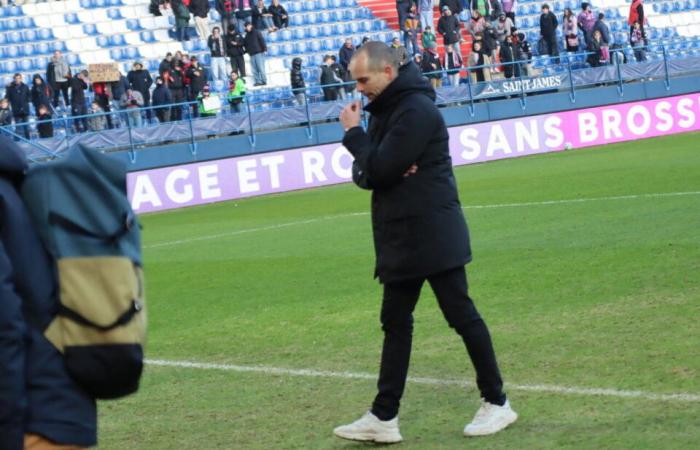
(182, 87)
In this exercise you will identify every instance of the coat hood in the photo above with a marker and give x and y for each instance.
(13, 162)
(296, 63)
(409, 81)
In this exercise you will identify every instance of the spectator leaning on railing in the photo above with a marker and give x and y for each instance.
(44, 124)
(5, 113)
(453, 65)
(96, 121)
(637, 41)
(197, 75)
(431, 67)
(510, 57)
(131, 101)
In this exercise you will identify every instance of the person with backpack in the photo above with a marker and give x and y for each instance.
(42, 406)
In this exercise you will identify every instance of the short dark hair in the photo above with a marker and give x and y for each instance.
(378, 55)
(601, 16)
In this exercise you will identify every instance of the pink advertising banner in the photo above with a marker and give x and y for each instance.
(307, 167)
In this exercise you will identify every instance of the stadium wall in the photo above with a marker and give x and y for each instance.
(321, 165)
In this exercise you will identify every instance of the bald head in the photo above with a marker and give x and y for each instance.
(374, 66)
(378, 55)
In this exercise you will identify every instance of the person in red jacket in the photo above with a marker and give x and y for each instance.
(637, 15)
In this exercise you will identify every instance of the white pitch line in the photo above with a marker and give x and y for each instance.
(544, 388)
(355, 214)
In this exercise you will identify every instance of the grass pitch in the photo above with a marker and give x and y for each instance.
(602, 293)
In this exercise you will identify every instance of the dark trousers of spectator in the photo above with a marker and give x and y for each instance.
(61, 87)
(280, 22)
(238, 65)
(402, 9)
(330, 94)
(182, 34)
(640, 55)
(551, 44)
(195, 106)
(79, 110)
(103, 101)
(450, 288)
(235, 107)
(163, 114)
(146, 103)
(23, 129)
(511, 70)
(178, 97)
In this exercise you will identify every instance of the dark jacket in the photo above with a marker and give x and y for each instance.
(254, 42)
(217, 47)
(429, 60)
(182, 14)
(36, 393)
(140, 80)
(297, 79)
(78, 86)
(418, 224)
(161, 96)
(454, 5)
(41, 93)
(45, 129)
(165, 66)
(234, 44)
(548, 24)
(177, 81)
(18, 95)
(448, 27)
(344, 56)
(5, 116)
(604, 31)
(119, 87)
(197, 80)
(328, 75)
(199, 8)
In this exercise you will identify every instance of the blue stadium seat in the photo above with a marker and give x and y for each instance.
(87, 4)
(40, 63)
(30, 35)
(26, 22)
(11, 24)
(323, 4)
(296, 20)
(336, 16)
(353, 27)
(72, 59)
(346, 3)
(99, 3)
(115, 3)
(3, 39)
(43, 48)
(309, 5)
(300, 47)
(298, 33)
(103, 41)
(114, 14)
(293, 7)
(315, 46)
(202, 45)
(26, 50)
(313, 18)
(328, 45)
(133, 24)
(131, 53)
(71, 18)
(116, 54)
(147, 36)
(312, 32)
(14, 37)
(273, 50)
(90, 29)
(287, 49)
(350, 14)
(116, 40)
(218, 85)
(273, 37)
(8, 66)
(25, 64)
(326, 30)
(285, 35)
(15, 11)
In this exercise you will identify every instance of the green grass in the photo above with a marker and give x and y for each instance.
(600, 294)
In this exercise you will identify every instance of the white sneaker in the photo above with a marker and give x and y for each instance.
(490, 419)
(370, 428)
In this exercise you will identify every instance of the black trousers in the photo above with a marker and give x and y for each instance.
(238, 65)
(61, 87)
(399, 301)
(178, 97)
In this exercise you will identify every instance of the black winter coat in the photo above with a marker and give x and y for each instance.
(548, 24)
(165, 66)
(140, 80)
(41, 95)
(197, 82)
(448, 27)
(418, 224)
(199, 8)
(77, 91)
(18, 95)
(36, 393)
(234, 44)
(161, 96)
(454, 5)
(254, 42)
(296, 77)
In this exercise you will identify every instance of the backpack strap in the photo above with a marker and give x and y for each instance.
(122, 320)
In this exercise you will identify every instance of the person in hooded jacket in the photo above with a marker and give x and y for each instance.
(41, 92)
(40, 404)
(297, 82)
(163, 98)
(510, 57)
(420, 234)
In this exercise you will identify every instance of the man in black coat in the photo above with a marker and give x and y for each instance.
(78, 86)
(39, 401)
(449, 28)
(166, 64)
(198, 79)
(18, 94)
(548, 30)
(419, 234)
(255, 46)
(176, 84)
(140, 80)
(235, 49)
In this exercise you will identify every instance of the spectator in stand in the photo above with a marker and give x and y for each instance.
(595, 48)
(364, 41)
(548, 31)
(119, 87)
(428, 38)
(476, 24)
(18, 94)
(448, 27)
(525, 53)
(218, 55)
(602, 26)
(176, 85)
(197, 75)
(586, 21)
(57, 75)
(41, 92)
(489, 41)
(97, 121)
(510, 58)
(200, 12)
(508, 7)
(489, 9)
(402, 8)
(166, 65)
(226, 9)
(255, 46)
(341, 75)
(244, 14)
(425, 11)
(182, 20)
(5, 113)
(78, 86)
(478, 59)
(431, 66)
(279, 15)
(236, 91)
(453, 65)
(262, 18)
(297, 81)
(399, 50)
(131, 101)
(503, 27)
(44, 125)
(329, 79)
(140, 80)
(411, 30)
(164, 98)
(637, 41)
(637, 15)
(204, 109)
(418, 60)
(570, 30)
(455, 6)
(235, 50)
(344, 55)
(102, 97)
